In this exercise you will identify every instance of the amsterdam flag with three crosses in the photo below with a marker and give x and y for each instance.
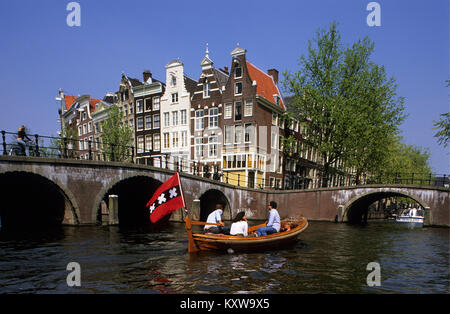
(167, 198)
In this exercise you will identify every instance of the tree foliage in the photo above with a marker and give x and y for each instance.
(405, 164)
(350, 106)
(443, 127)
(117, 137)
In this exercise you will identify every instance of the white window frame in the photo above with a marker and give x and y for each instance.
(228, 111)
(140, 106)
(156, 103)
(248, 108)
(213, 122)
(148, 143)
(199, 120)
(212, 147)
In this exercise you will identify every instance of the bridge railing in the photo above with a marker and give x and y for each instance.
(87, 149)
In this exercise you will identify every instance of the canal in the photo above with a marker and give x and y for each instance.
(328, 258)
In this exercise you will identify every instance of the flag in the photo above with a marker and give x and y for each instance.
(167, 198)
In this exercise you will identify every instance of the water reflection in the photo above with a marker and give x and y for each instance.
(329, 258)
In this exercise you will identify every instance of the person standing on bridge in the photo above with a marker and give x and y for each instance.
(273, 224)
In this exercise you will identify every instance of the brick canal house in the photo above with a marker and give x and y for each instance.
(76, 113)
(206, 120)
(253, 108)
(99, 116)
(126, 101)
(176, 116)
(147, 98)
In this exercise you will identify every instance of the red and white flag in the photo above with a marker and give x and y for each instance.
(167, 198)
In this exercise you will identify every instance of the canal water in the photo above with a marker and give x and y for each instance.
(328, 258)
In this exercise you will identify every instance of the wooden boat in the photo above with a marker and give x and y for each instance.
(291, 229)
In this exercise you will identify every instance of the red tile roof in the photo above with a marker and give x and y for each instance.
(69, 100)
(265, 86)
(92, 103)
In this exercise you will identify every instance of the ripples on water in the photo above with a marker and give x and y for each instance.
(328, 258)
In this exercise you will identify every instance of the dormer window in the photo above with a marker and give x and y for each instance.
(237, 72)
(277, 99)
(173, 81)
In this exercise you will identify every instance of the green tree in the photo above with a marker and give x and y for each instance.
(443, 126)
(117, 137)
(65, 144)
(347, 101)
(406, 164)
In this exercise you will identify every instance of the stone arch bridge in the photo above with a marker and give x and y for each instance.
(71, 192)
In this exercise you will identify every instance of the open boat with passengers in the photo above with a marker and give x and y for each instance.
(291, 229)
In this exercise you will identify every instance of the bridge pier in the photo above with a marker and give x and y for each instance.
(113, 210)
(427, 217)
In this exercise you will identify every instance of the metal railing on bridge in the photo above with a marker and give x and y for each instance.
(96, 150)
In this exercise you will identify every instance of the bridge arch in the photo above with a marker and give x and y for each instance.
(133, 191)
(32, 199)
(208, 200)
(355, 208)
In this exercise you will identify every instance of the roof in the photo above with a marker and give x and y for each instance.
(265, 85)
(93, 103)
(134, 82)
(221, 77)
(69, 101)
(190, 84)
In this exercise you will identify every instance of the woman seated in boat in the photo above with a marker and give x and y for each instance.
(239, 227)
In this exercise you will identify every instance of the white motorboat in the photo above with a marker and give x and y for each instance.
(410, 216)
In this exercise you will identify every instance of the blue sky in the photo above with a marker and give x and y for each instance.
(39, 53)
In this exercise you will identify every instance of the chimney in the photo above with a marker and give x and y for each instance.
(274, 74)
(147, 75)
(225, 69)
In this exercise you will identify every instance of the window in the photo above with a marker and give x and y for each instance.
(148, 104)
(148, 143)
(175, 118)
(199, 121)
(206, 89)
(237, 72)
(228, 134)
(80, 130)
(139, 106)
(166, 119)
(85, 128)
(132, 123)
(238, 134)
(125, 113)
(97, 128)
(248, 110)
(213, 117)
(274, 118)
(90, 127)
(81, 145)
(238, 88)
(175, 139)
(184, 139)
(274, 140)
(126, 94)
(148, 122)
(140, 144)
(140, 123)
(248, 133)
(156, 101)
(131, 108)
(173, 80)
(198, 147)
(212, 146)
(183, 117)
(83, 116)
(156, 121)
(156, 142)
(166, 140)
(174, 98)
(228, 110)
(238, 111)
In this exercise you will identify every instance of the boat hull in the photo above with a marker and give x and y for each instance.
(407, 219)
(207, 242)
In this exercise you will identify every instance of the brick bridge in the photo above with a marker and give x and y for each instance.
(35, 191)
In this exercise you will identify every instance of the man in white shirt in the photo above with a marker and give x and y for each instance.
(216, 218)
(273, 224)
(240, 225)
